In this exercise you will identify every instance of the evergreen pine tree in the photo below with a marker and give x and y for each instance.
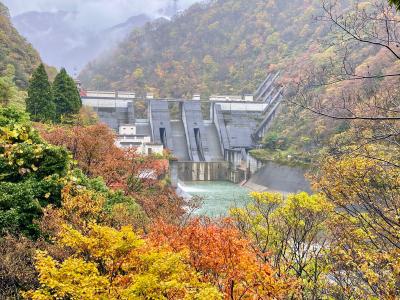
(40, 102)
(66, 95)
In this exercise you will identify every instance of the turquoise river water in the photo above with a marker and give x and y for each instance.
(218, 196)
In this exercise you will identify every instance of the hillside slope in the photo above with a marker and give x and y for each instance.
(15, 50)
(226, 46)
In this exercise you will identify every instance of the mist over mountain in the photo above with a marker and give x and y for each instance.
(99, 14)
(63, 44)
(71, 33)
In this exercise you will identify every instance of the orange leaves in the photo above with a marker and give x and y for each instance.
(92, 146)
(161, 203)
(116, 264)
(138, 176)
(97, 155)
(222, 257)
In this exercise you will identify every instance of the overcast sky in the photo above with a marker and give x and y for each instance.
(99, 13)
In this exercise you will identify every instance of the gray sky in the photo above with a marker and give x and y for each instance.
(98, 13)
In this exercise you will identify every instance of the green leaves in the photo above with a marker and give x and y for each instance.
(23, 155)
(40, 102)
(11, 115)
(19, 207)
(49, 103)
(8, 90)
(66, 95)
(30, 173)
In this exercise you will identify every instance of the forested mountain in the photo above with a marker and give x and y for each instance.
(224, 46)
(15, 50)
(228, 46)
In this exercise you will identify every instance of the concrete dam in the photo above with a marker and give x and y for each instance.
(209, 139)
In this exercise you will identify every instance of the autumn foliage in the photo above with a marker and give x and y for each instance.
(223, 257)
(94, 149)
(82, 219)
(111, 264)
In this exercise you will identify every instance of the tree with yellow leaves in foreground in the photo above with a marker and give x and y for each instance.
(111, 264)
(291, 234)
(365, 187)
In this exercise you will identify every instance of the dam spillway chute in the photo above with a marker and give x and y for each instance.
(193, 121)
(160, 123)
(181, 151)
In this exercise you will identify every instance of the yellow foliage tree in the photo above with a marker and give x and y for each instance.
(365, 254)
(116, 264)
(291, 234)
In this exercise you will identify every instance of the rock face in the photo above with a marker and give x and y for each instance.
(15, 50)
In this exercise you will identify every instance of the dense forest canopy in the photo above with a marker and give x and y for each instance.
(225, 46)
(15, 50)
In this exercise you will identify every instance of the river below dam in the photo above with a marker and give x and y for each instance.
(218, 196)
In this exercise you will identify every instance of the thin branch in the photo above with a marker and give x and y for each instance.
(369, 118)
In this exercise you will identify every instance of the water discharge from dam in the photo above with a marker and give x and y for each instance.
(218, 196)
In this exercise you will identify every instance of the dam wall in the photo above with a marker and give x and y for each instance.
(199, 171)
(206, 147)
(275, 177)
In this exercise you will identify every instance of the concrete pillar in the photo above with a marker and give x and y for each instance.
(173, 173)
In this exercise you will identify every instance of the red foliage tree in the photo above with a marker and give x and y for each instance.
(223, 257)
(93, 147)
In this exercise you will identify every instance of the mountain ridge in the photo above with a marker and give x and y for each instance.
(229, 46)
(16, 50)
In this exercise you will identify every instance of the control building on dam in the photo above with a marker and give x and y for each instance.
(209, 140)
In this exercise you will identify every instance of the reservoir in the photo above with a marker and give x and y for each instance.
(218, 196)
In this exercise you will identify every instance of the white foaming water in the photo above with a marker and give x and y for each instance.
(218, 197)
(190, 189)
